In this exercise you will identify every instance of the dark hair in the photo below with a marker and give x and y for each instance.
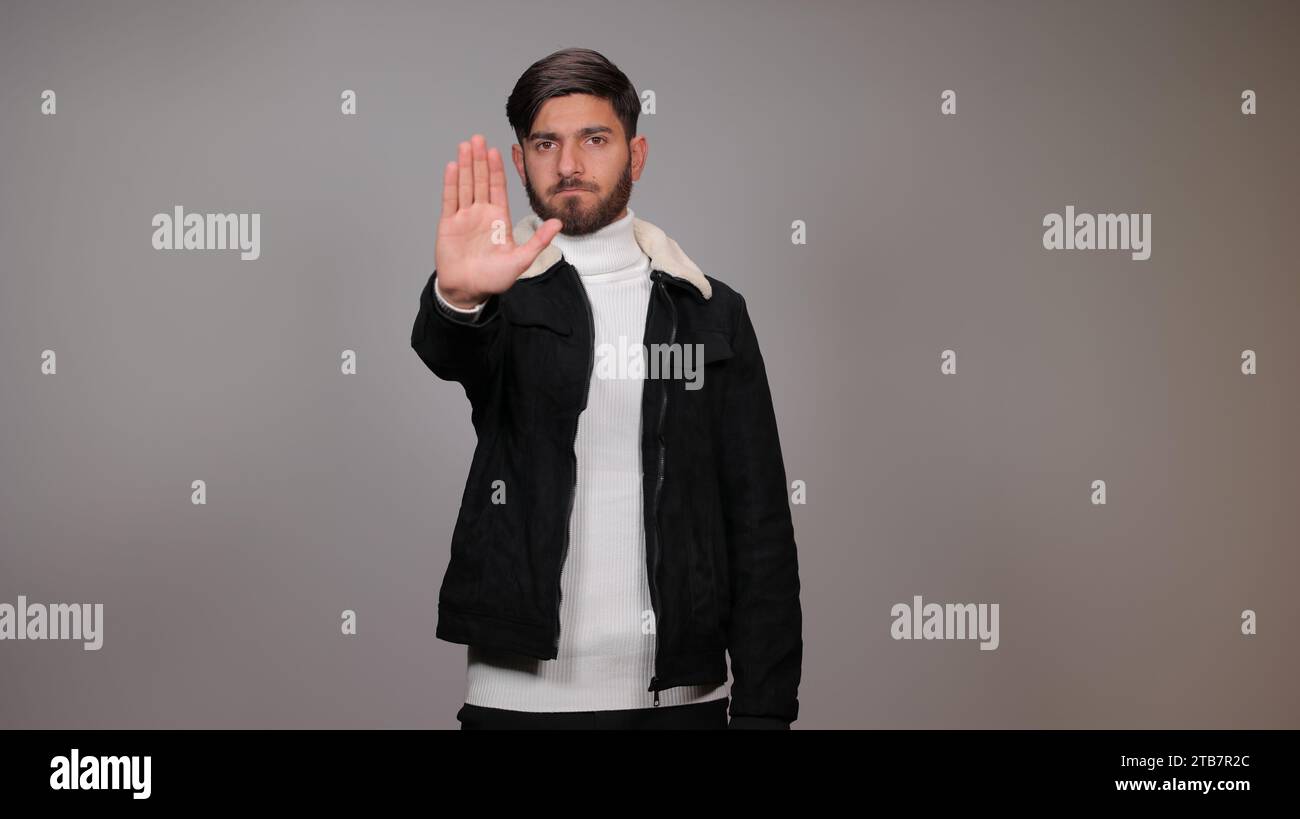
(571, 71)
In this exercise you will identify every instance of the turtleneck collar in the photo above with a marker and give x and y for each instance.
(611, 249)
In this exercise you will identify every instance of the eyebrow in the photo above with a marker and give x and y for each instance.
(588, 131)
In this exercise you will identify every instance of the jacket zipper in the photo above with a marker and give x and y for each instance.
(658, 546)
(573, 486)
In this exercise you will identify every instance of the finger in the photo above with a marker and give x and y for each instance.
(539, 240)
(480, 169)
(449, 193)
(465, 170)
(497, 180)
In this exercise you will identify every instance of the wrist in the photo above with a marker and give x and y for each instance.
(465, 302)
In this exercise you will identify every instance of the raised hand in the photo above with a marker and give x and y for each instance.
(470, 265)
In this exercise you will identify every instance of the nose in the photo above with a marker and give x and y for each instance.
(569, 166)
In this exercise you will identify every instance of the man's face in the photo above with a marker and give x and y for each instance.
(577, 164)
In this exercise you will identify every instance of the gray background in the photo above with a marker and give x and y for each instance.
(328, 492)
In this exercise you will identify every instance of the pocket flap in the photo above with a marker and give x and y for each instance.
(536, 312)
(717, 347)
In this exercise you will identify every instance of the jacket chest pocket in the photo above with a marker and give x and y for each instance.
(704, 358)
(538, 313)
(543, 354)
(715, 347)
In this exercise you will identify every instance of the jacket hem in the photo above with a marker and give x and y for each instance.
(693, 668)
(487, 631)
(519, 637)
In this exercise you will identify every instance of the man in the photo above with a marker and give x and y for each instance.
(624, 522)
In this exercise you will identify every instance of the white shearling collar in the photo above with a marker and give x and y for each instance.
(664, 253)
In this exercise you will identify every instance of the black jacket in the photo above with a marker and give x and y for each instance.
(720, 549)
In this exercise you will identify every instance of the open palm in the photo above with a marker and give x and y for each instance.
(476, 254)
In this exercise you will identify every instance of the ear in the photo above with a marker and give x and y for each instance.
(517, 154)
(640, 150)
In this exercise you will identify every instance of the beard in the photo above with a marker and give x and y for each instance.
(578, 213)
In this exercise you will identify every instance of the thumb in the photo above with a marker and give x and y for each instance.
(539, 240)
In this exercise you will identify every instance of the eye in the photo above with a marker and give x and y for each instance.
(601, 138)
(543, 142)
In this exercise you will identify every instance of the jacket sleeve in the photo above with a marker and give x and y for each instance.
(461, 348)
(765, 634)
(469, 316)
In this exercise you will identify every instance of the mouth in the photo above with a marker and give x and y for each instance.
(575, 190)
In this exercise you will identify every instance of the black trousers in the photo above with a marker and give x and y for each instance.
(694, 716)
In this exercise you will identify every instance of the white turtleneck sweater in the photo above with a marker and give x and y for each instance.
(607, 640)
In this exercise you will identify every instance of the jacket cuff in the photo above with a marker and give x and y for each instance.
(451, 311)
(758, 723)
